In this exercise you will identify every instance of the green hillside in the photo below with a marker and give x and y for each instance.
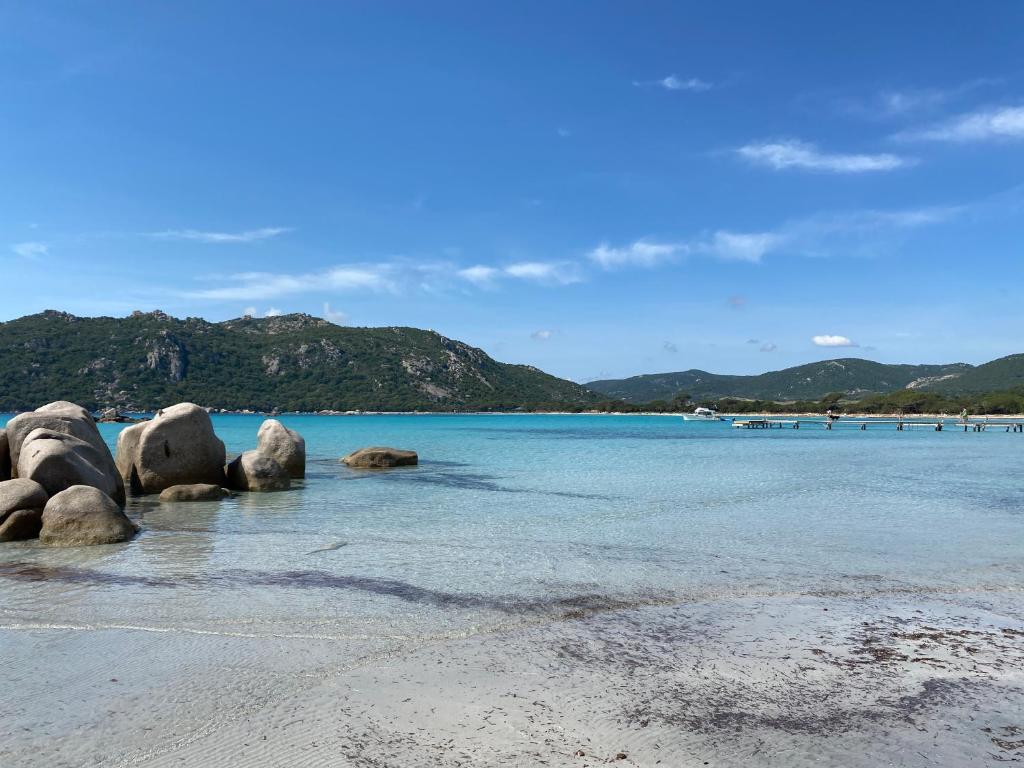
(851, 376)
(293, 362)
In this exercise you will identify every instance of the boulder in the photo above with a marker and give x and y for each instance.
(178, 447)
(194, 492)
(252, 471)
(58, 461)
(69, 419)
(283, 445)
(21, 509)
(21, 524)
(5, 457)
(380, 458)
(21, 493)
(83, 515)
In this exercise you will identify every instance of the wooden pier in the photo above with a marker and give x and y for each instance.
(901, 425)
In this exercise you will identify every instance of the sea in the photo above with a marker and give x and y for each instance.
(508, 520)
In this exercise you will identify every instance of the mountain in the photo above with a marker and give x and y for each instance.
(291, 362)
(851, 376)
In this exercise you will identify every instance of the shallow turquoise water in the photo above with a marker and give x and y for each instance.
(519, 517)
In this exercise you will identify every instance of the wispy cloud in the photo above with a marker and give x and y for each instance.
(819, 235)
(336, 317)
(254, 286)
(274, 312)
(201, 236)
(769, 347)
(742, 246)
(676, 83)
(641, 253)
(31, 250)
(558, 273)
(828, 340)
(542, 335)
(993, 124)
(790, 153)
(479, 274)
(546, 272)
(669, 347)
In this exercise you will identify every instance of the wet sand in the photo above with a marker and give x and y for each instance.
(864, 679)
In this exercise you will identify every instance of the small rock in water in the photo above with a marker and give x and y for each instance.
(194, 492)
(380, 458)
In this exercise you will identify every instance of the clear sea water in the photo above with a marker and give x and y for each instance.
(518, 517)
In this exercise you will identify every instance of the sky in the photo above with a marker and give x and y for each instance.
(598, 189)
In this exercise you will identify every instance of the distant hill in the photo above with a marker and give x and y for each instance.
(851, 376)
(292, 362)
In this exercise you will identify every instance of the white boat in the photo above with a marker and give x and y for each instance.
(702, 414)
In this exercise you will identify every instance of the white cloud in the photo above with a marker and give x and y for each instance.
(542, 335)
(249, 236)
(983, 125)
(273, 312)
(739, 246)
(479, 274)
(676, 83)
(560, 273)
(827, 340)
(783, 155)
(31, 250)
(642, 253)
(266, 285)
(768, 347)
(249, 312)
(336, 317)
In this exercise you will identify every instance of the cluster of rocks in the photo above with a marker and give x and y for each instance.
(58, 480)
(178, 455)
(60, 483)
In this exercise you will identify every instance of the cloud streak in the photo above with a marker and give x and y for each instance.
(201, 236)
(994, 124)
(792, 154)
(31, 250)
(675, 83)
(253, 286)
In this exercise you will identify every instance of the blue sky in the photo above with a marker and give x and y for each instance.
(598, 189)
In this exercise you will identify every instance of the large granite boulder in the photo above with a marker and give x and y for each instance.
(69, 419)
(177, 447)
(5, 456)
(283, 445)
(252, 471)
(57, 461)
(21, 509)
(83, 515)
(380, 458)
(193, 492)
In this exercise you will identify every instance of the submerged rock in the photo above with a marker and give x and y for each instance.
(69, 419)
(82, 516)
(177, 447)
(252, 471)
(285, 446)
(57, 461)
(380, 458)
(21, 509)
(194, 492)
(5, 457)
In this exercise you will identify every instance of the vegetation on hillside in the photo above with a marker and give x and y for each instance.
(855, 378)
(293, 363)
